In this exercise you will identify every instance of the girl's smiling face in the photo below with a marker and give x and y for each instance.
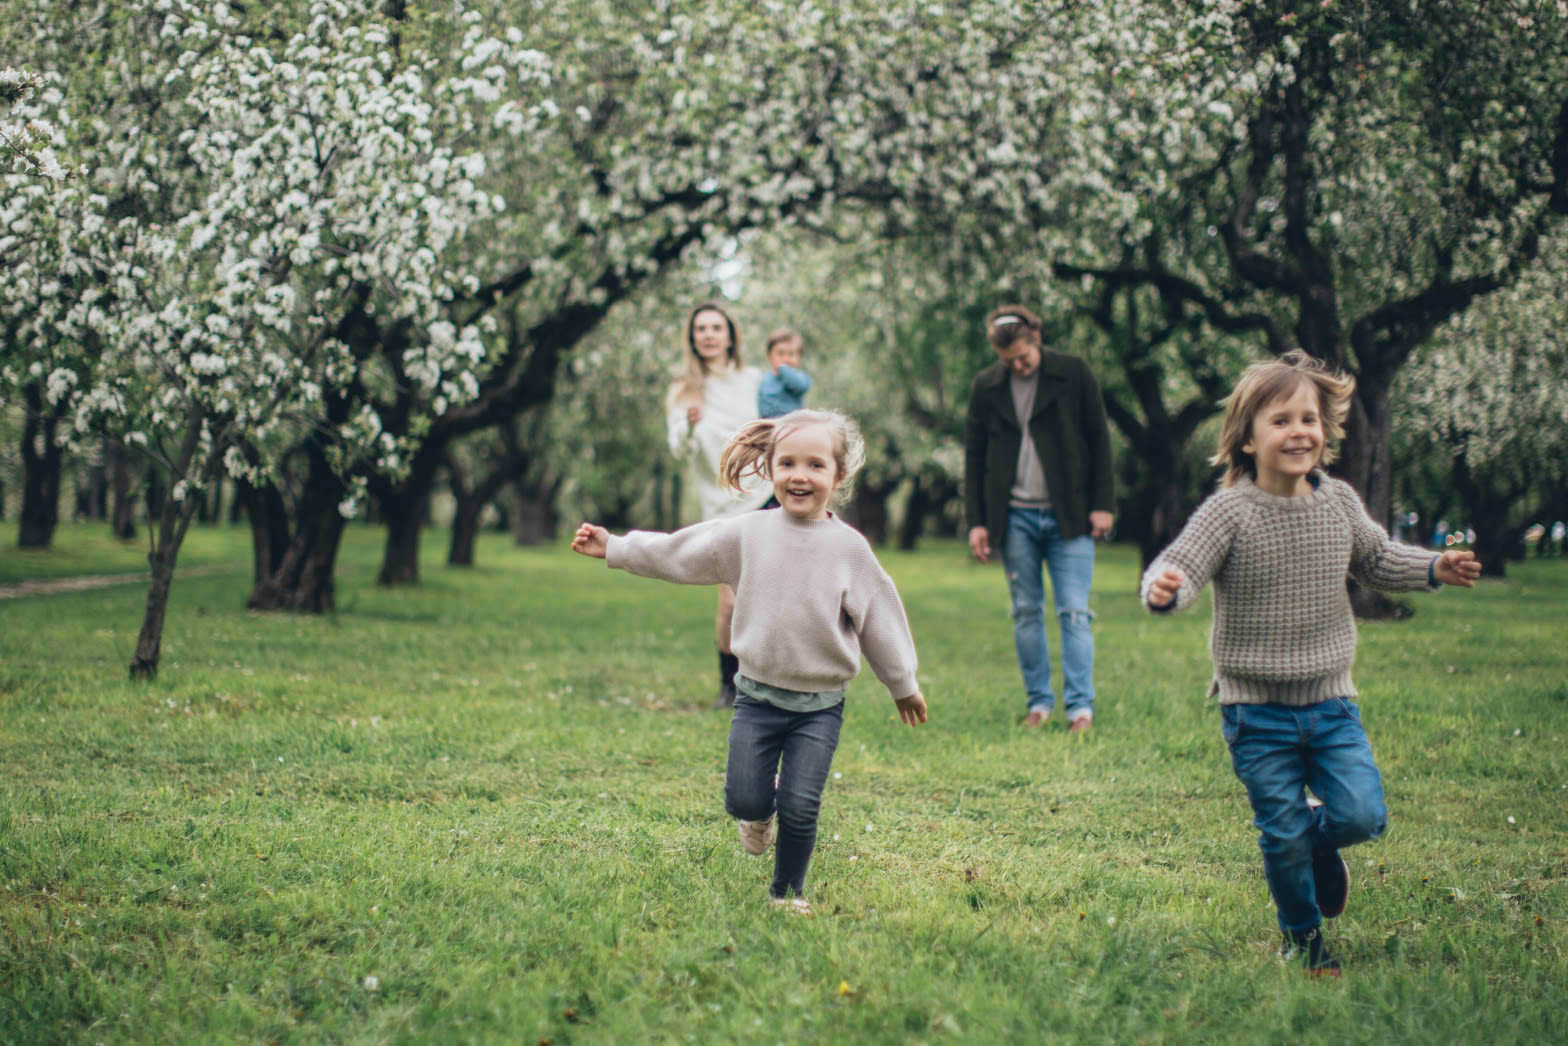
(1287, 441)
(805, 471)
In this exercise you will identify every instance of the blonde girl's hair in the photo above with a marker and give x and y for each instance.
(750, 451)
(782, 335)
(1008, 323)
(688, 389)
(1262, 384)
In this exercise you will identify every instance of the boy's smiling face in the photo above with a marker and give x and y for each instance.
(1287, 441)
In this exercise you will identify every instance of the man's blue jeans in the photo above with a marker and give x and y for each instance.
(1278, 752)
(798, 747)
(1034, 544)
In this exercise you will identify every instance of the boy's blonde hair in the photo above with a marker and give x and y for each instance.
(688, 389)
(750, 451)
(1262, 384)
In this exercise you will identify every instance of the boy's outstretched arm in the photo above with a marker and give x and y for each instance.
(591, 541)
(1457, 567)
(912, 709)
(1163, 588)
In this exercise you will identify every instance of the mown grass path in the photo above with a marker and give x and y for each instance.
(487, 809)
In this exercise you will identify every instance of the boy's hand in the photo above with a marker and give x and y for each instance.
(912, 709)
(1163, 589)
(591, 540)
(1457, 567)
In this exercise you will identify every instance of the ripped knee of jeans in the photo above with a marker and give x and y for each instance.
(1075, 617)
(1028, 612)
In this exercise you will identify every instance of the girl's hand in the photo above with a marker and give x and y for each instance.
(1163, 589)
(693, 415)
(912, 709)
(1457, 567)
(591, 540)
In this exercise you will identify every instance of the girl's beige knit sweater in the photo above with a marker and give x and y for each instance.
(810, 596)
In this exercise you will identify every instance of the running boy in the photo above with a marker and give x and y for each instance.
(1279, 540)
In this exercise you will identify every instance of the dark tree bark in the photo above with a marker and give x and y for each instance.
(122, 503)
(406, 506)
(269, 527)
(92, 493)
(303, 579)
(41, 461)
(173, 521)
(932, 490)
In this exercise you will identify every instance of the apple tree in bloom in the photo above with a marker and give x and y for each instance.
(50, 226)
(1489, 390)
(1373, 170)
(315, 185)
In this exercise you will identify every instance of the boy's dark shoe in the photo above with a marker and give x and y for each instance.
(1307, 948)
(1331, 877)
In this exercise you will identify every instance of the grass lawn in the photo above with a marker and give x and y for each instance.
(488, 809)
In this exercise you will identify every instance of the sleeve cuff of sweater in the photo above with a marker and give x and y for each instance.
(1431, 573)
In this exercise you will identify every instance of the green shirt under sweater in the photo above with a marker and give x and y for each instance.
(1284, 632)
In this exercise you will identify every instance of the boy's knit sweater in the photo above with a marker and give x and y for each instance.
(810, 596)
(1284, 631)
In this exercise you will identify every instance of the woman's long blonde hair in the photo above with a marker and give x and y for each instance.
(750, 451)
(1262, 384)
(687, 390)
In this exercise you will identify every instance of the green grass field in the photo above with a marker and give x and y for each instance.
(489, 810)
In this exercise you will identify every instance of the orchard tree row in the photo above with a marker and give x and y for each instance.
(335, 250)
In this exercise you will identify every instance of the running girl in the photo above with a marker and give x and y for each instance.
(810, 599)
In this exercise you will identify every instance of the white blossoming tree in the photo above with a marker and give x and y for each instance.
(1489, 390)
(1371, 172)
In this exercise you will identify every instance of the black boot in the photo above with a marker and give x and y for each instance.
(729, 664)
(1307, 948)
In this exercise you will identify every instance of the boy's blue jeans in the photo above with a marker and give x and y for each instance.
(1034, 544)
(798, 747)
(1278, 752)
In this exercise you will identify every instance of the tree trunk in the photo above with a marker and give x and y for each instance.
(40, 472)
(465, 534)
(173, 523)
(303, 579)
(269, 527)
(406, 507)
(536, 521)
(91, 493)
(164, 555)
(868, 511)
(931, 492)
(1495, 540)
(1365, 464)
(471, 503)
(122, 506)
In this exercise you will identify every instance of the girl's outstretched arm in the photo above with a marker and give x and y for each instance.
(591, 540)
(912, 709)
(1457, 567)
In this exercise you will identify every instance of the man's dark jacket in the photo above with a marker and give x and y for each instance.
(1070, 434)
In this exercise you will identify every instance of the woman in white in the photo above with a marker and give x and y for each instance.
(716, 395)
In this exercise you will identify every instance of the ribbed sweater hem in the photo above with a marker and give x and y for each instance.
(1296, 693)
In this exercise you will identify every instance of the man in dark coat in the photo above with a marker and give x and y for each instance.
(1041, 492)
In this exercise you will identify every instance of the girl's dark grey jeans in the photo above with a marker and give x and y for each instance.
(798, 747)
